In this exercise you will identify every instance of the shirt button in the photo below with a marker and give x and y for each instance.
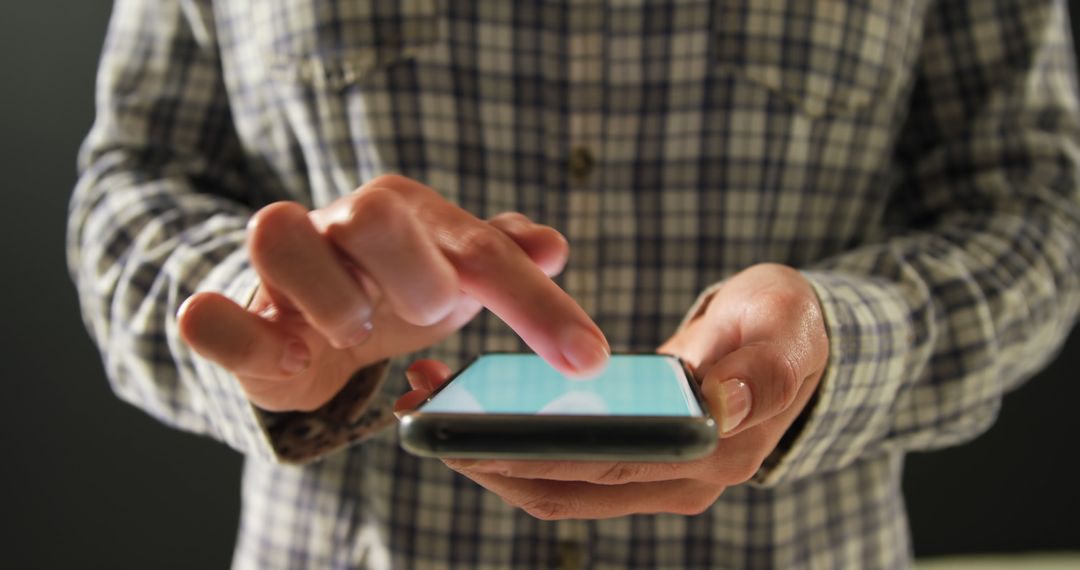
(581, 164)
(571, 556)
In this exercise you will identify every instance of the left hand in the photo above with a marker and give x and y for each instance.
(758, 347)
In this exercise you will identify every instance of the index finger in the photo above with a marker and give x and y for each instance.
(496, 272)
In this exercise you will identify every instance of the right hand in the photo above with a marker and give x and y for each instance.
(384, 271)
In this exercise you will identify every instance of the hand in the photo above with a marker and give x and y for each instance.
(384, 271)
(758, 347)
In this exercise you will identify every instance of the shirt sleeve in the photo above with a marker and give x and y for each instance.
(978, 284)
(158, 214)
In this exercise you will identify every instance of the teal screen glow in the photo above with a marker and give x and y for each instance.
(632, 384)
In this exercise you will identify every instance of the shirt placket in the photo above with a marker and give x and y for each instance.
(582, 145)
(581, 163)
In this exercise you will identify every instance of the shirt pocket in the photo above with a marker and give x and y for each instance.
(825, 57)
(343, 73)
(333, 44)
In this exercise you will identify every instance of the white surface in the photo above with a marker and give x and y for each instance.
(1030, 561)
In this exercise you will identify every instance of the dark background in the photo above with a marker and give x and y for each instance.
(92, 481)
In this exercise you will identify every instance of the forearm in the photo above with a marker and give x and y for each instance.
(160, 213)
(979, 283)
(136, 251)
(947, 321)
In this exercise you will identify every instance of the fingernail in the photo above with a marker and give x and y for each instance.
(583, 350)
(399, 413)
(735, 399)
(296, 357)
(360, 329)
(413, 378)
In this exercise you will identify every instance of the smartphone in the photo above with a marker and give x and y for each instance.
(642, 407)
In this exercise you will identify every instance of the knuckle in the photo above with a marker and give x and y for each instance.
(271, 226)
(276, 213)
(772, 270)
(536, 470)
(478, 245)
(389, 181)
(515, 217)
(786, 382)
(563, 242)
(375, 206)
(619, 473)
(544, 508)
(376, 214)
(559, 241)
(782, 302)
(710, 311)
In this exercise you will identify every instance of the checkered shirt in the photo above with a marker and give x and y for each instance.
(916, 159)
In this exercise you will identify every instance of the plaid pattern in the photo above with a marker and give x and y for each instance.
(916, 158)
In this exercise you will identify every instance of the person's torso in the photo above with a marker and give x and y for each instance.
(673, 142)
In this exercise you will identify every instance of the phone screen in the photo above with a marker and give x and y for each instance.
(632, 384)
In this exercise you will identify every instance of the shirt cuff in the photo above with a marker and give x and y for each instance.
(355, 413)
(870, 334)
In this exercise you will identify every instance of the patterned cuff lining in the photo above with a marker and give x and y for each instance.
(786, 443)
(352, 415)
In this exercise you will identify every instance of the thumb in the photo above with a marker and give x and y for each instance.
(751, 385)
